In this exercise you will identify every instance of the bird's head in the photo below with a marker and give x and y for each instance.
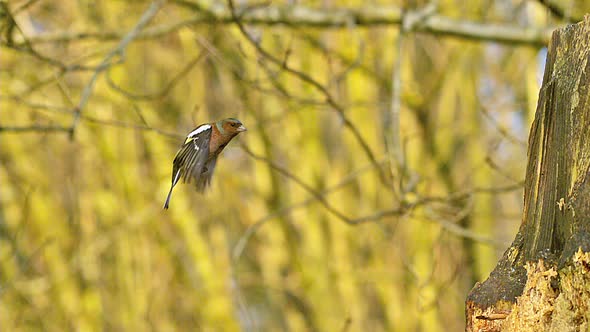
(230, 126)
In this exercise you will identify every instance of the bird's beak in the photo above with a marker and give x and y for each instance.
(241, 128)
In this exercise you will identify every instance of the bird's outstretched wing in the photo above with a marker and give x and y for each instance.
(192, 156)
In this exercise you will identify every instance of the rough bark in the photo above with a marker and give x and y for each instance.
(542, 281)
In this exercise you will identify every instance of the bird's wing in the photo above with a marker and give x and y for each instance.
(205, 180)
(193, 155)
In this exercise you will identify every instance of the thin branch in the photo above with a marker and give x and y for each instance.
(62, 109)
(499, 169)
(501, 129)
(43, 82)
(239, 247)
(316, 194)
(121, 124)
(393, 139)
(405, 206)
(392, 118)
(240, 75)
(119, 50)
(333, 17)
(402, 209)
(314, 83)
(164, 91)
(452, 226)
(25, 129)
(457, 230)
(558, 11)
(36, 106)
(25, 46)
(24, 6)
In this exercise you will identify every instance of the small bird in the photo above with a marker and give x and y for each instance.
(197, 156)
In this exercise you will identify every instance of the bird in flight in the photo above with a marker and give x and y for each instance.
(196, 158)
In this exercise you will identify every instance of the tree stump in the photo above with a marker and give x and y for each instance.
(542, 282)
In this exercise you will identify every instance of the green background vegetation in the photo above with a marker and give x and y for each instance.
(86, 246)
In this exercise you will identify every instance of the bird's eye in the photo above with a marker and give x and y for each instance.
(234, 124)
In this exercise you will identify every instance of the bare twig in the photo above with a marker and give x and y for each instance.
(121, 124)
(119, 50)
(9, 27)
(239, 247)
(493, 165)
(167, 88)
(453, 226)
(24, 6)
(89, 119)
(556, 10)
(392, 120)
(316, 194)
(314, 83)
(36, 106)
(503, 131)
(402, 209)
(33, 129)
(392, 127)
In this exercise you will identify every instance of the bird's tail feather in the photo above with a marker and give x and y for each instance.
(167, 203)
(174, 182)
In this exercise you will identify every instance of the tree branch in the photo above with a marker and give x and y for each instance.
(401, 209)
(556, 10)
(314, 83)
(33, 129)
(107, 61)
(335, 17)
(316, 194)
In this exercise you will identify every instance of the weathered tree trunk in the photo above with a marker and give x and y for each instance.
(542, 282)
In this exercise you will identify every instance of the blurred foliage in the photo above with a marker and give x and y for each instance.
(85, 244)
